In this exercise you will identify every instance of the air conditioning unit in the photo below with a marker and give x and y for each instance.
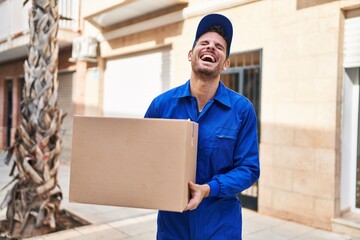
(84, 48)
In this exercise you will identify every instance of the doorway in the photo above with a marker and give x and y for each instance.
(357, 204)
(350, 144)
(244, 77)
(9, 110)
(130, 93)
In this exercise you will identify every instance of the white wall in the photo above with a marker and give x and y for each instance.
(131, 83)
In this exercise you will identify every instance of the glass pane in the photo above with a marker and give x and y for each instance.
(248, 59)
(245, 59)
(231, 81)
(236, 60)
(256, 58)
(251, 88)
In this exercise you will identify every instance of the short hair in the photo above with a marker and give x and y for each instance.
(219, 30)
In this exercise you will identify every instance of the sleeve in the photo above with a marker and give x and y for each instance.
(246, 169)
(151, 111)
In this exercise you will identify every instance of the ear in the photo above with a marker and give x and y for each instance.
(226, 64)
(189, 55)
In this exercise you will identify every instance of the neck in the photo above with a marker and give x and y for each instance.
(203, 90)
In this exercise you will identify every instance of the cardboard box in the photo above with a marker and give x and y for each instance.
(143, 163)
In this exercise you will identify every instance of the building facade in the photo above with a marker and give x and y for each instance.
(298, 62)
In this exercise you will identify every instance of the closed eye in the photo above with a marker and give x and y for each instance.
(204, 43)
(220, 47)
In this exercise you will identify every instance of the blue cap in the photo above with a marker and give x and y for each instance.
(212, 20)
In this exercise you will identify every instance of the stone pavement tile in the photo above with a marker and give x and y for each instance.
(99, 237)
(267, 220)
(135, 220)
(251, 226)
(100, 232)
(119, 213)
(101, 208)
(248, 214)
(80, 210)
(93, 229)
(136, 230)
(291, 229)
(264, 235)
(318, 234)
(36, 238)
(97, 214)
(105, 217)
(92, 232)
(259, 227)
(252, 223)
(116, 215)
(145, 236)
(69, 234)
(143, 227)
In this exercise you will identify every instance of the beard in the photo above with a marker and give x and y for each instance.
(206, 73)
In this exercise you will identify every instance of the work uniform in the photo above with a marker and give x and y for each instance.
(227, 160)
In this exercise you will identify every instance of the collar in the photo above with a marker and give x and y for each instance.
(221, 94)
(183, 91)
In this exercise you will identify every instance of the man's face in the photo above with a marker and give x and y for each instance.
(208, 57)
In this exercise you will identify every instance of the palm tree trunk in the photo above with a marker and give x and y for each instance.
(34, 200)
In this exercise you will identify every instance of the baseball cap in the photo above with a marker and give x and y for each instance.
(212, 20)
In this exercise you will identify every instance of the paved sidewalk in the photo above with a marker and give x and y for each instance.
(116, 223)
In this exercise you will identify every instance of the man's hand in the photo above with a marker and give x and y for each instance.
(198, 193)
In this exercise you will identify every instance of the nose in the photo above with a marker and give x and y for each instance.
(211, 46)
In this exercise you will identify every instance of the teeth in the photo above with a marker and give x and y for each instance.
(208, 58)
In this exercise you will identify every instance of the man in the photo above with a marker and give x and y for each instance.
(227, 161)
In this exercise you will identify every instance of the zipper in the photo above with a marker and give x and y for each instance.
(225, 137)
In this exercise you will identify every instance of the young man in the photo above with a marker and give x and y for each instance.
(228, 160)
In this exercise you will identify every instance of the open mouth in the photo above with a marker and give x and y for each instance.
(208, 58)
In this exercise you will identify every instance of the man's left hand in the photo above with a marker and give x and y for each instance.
(198, 193)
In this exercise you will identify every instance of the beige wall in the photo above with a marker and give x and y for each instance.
(298, 118)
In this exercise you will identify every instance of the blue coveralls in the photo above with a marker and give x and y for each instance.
(227, 160)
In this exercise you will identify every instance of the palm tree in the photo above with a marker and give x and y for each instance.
(34, 200)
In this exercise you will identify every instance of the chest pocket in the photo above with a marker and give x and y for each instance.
(224, 138)
(223, 149)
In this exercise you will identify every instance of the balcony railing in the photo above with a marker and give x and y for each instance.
(69, 9)
(15, 17)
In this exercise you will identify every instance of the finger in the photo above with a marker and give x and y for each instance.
(192, 185)
(191, 205)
